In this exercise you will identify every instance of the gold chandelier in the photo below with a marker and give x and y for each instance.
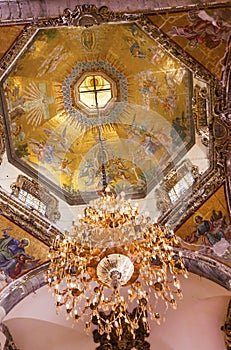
(115, 259)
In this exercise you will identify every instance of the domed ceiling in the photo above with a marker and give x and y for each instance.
(75, 99)
(93, 89)
(145, 94)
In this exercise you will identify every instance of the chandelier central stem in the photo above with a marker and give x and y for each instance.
(115, 276)
(102, 150)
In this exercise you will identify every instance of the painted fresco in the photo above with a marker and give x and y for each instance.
(19, 251)
(8, 35)
(147, 125)
(204, 34)
(208, 230)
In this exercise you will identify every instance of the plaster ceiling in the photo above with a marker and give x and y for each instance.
(35, 318)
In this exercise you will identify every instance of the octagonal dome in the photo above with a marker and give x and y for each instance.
(144, 123)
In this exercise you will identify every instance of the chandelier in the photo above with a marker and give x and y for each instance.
(115, 260)
(112, 259)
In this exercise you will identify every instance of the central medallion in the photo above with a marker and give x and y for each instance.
(94, 87)
(94, 92)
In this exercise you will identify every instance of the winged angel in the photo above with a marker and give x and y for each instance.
(53, 149)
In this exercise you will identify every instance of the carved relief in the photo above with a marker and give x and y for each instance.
(2, 139)
(165, 193)
(220, 128)
(27, 219)
(49, 202)
(200, 113)
(87, 15)
(206, 117)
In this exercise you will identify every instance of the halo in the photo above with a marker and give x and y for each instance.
(26, 239)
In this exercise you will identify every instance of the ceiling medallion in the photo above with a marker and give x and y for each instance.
(78, 107)
(94, 89)
(115, 257)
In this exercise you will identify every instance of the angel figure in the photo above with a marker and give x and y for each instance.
(58, 139)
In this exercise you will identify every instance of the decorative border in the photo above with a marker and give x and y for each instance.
(208, 184)
(113, 73)
(38, 191)
(219, 122)
(29, 220)
(2, 139)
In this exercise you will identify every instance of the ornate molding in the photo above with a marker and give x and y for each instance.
(218, 113)
(82, 15)
(88, 15)
(31, 221)
(2, 139)
(21, 12)
(163, 200)
(17, 47)
(200, 112)
(201, 190)
(173, 49)
(221, 128)
(37, 191)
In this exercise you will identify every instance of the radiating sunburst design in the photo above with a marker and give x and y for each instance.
(36, 103)
(54, 121)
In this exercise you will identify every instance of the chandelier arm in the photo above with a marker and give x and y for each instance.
(114, 246)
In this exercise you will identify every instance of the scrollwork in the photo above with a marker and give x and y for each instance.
(200, 113)
(220, 127)
(163, 200)
(2, 139)
(85, 15)
(218, 104)
(27, 219)
(39, 192)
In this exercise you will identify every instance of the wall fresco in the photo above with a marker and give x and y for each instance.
(19, 251)
(208, 230)
(204, 34)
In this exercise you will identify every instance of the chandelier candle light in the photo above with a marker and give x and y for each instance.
(115, 258)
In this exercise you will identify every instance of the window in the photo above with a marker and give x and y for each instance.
(31, 201)
(95, 91)
(181, 186)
